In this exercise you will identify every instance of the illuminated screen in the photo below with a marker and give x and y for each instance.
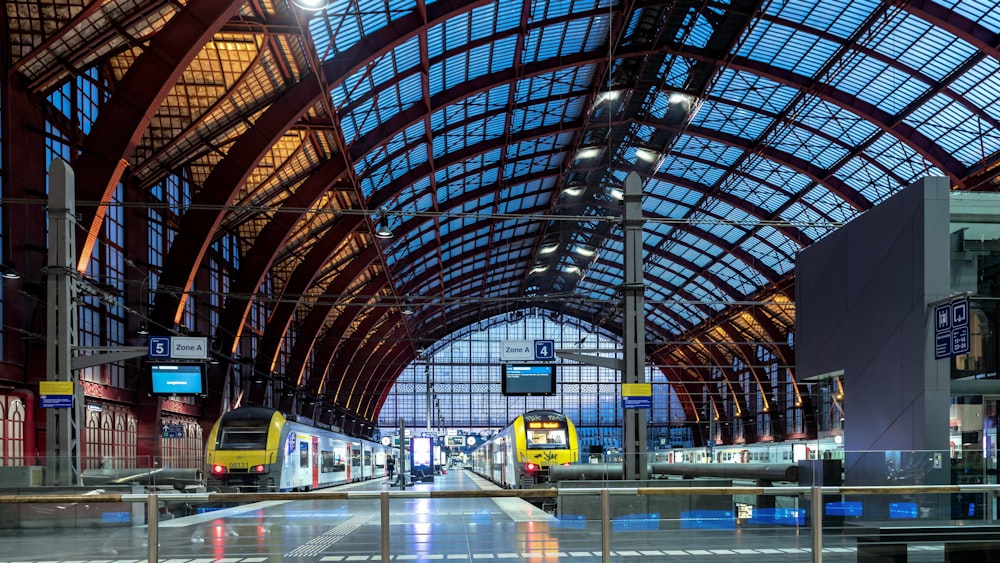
(421, 451)
(525, 379)
(178, 379)
(455, 441)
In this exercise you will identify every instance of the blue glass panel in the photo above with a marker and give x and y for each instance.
(787, 48)
(984, 12)
(980, 85)
(809, 147)
(951, 125)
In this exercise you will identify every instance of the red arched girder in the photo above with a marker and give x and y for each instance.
(256, 262)
(123, 120)
(388, 372)
(333, 340)
(359, 373)
(298, 283)
(312, 324)
(203, 218)
(347, 355)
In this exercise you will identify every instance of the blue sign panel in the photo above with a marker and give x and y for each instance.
(56, 401)
(173, 431)
(637, 402)
(942, 345)
(159, 346)
(942, 317)
(951, 328)
(545, 350)
(960, 340)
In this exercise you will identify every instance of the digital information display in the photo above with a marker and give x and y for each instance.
(421, 451)
(528, 379)
(178, 379)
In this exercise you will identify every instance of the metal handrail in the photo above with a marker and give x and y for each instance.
(604, 493)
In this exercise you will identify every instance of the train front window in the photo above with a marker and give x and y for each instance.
(243, 439)
(547, 439)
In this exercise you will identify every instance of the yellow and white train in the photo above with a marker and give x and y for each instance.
(519, 456)
(258, 449)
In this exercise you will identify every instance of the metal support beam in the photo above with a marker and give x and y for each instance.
(64, 455)
(111, 355)
(634, 331)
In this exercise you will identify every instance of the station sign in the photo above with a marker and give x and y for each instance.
(637, 396)
(55, 394)
(178, 347)
(528, 350)
(173, 430)
(951, 328)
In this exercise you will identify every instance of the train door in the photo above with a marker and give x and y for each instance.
(315, 462)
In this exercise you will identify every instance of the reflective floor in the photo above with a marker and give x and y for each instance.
(421, 529)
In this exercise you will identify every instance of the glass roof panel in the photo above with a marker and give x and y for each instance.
(808, 146)
(787, 48)
(980, 85)
(841, 20)
(747, 89)
(837, 123)
(901, 159)
(736, 274)
(982, 11)
(700, 171)
(929, 50)
(733, 120)
(951, 125)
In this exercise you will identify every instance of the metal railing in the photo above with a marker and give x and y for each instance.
(815, 495)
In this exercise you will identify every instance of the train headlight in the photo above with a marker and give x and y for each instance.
(218, 469)
(531, 467)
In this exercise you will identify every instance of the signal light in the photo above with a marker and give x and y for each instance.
(218, 469)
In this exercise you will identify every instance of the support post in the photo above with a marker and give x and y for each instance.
(401, 466)
(384, 530)
(816, 518)
(605, 525)
(152, 528)
(634, 332)
(63, 450)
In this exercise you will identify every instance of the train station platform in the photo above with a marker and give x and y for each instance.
(421, 528)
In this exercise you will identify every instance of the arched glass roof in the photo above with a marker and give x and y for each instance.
(498, 133)
(492, 138)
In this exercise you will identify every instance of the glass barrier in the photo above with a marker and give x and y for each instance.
(896, 513)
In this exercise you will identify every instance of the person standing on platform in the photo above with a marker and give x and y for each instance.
(390, 466)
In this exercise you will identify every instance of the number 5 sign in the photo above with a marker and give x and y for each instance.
(159, 346)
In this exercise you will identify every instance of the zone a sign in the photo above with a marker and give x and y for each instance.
(527, 350)
(178, 347)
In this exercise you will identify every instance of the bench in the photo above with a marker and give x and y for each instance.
(964, 542)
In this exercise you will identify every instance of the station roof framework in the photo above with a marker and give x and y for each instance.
(491, 139)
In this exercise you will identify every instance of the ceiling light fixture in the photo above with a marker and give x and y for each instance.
(548, 248)
(646, 155)
(587, 153)
(143, 331)
(538, 269)
(9, 273)
(573, 190)
(383, 231)
(311, 5)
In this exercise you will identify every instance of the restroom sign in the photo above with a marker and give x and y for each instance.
(951, 328)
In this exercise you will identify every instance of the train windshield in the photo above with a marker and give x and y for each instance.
(243, 438)
(550, 437)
